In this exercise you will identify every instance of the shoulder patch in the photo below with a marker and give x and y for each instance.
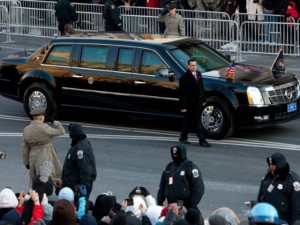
(296, 185)
(80, 154)
(195, 173)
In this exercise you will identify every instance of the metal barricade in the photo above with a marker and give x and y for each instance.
(90, 22)
(38, 4)
(10, 3)
(256, 38)
(4, 23)
(88, 8)
(32, 22)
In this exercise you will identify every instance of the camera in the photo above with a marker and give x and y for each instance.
(2, 154)
(129, 201)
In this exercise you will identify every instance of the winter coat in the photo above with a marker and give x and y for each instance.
(37, 213)
(65, 12)
(37, 147)
(281, 189)
(291, 14)
(212, 5)
(229, 6)
(174, 24)
(181, 181)
(255, 9)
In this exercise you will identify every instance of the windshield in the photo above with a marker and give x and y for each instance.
(206, 58)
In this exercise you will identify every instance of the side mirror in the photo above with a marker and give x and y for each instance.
(165, 73)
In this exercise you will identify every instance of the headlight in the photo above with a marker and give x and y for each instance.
(298, 86)
(254, 96)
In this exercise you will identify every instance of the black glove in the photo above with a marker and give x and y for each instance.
(135, 191)
(27, 167)
(144, 191)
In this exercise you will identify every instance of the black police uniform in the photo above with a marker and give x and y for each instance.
(79, 166)
(181, 180)
(65, 13)
(111, 15)
(282, 189)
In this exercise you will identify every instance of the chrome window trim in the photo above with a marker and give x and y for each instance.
(119, 94)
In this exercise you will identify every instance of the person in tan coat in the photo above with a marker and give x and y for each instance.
(173, 22)
(37, 145)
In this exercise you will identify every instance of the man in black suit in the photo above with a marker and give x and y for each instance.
(192, 100)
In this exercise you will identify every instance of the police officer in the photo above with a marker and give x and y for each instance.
(79, 166)
(181, 181)
(112, 17)
(280, 187)
(65, 13)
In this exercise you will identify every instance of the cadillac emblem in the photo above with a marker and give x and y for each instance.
(288, 94)
(90, 80)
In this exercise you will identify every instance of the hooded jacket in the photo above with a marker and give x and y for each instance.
(79, 166)
(181, 180)
(281, 189)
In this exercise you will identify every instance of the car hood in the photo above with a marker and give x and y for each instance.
(251, 75)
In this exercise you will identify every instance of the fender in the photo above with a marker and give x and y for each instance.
(227, 92)
(38, 75)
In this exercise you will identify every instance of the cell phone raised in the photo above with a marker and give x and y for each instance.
(129, 201)
(179, 203)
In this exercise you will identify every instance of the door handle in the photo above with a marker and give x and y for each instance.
(77, 76)
(139, 82)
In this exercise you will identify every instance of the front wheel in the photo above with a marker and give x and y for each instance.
(217, 120)
(39, 95)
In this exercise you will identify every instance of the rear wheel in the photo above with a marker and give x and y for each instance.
(39, 95)
(217, 119)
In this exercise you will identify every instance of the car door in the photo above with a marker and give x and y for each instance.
(95, 83)
(153, 93)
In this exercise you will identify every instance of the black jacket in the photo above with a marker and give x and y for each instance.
(65, 12)
(79, 166)
(186, 185)
(191, 92)
(111, 15)
(284, 194)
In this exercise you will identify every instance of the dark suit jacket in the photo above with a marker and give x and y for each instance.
(191, 92)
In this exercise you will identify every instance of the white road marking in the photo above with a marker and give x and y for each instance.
(157, 135)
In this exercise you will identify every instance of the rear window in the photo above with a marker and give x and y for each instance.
(59, 55)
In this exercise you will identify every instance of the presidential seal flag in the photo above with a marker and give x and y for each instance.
(278, 64)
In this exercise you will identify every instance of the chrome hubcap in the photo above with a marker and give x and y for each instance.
(212, 119)
(37, 99)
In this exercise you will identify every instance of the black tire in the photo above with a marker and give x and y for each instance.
(217, 120)
(39, 95)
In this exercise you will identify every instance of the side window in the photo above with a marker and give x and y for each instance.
(93, 57)
(125, 58)
(60, 55)
(151, 62)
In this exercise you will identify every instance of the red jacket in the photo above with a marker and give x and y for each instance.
(38, 213)
(152, 3)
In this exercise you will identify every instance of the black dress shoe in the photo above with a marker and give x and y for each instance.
(183, 141)
(204, 144)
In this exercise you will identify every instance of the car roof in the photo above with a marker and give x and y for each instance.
(125, 37)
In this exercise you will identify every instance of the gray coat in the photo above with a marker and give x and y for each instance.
(174, 24)
(37, 147)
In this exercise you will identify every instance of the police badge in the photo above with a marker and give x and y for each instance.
(296, 186)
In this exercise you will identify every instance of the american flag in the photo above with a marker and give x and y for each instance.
(230, 72)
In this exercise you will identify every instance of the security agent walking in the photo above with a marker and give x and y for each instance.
(112, 17)
(281, 188)
(79, 166)
(65, 13)
(37, 144)
(181, 180)
(192, 100)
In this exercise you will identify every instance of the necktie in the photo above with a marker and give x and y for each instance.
(196, 76)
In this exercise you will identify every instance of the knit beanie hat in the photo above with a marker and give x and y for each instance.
(13, 216)
(8, 198)
(88, 219)
(192, 216)
(66, 193)
(48, 210)
(153, 212)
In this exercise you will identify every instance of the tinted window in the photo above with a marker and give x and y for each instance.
(93, 57)
(206, 58)
(125, 59)
(151, 62)
(59, 55)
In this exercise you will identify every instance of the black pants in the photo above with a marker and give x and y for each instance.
(192, 120)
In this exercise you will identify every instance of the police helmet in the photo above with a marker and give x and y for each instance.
(263, 213)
